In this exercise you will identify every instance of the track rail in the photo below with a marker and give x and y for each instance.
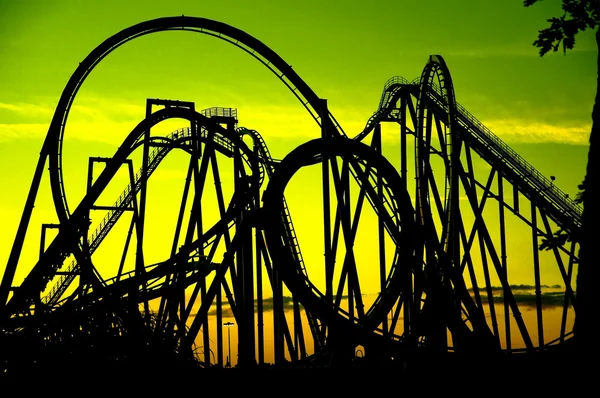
(376, 177)
(561, 208)
(54, 256)
(124, 202)
(267, 160)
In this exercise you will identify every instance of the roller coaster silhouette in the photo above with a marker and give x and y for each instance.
(438, 254)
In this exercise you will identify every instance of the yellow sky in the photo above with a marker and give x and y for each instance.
(345, 51)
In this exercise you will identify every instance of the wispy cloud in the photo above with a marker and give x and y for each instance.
(524, 295)
(280, 121)
(95, 119)
(10, 132)
(267, 306)
(513, 49)
(109, 121)
(108, 132)
(519, 131)
(28, 110)
(496, 289)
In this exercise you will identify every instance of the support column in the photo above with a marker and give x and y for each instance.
(503, 262)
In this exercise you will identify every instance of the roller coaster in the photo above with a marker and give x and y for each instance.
(431, 274)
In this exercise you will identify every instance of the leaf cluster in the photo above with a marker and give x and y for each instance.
(578, 16)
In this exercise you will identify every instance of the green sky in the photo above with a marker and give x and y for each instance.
(344, 50)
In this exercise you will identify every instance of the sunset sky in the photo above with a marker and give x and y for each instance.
(344, 50)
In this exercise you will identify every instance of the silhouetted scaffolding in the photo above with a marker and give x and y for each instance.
(438, 249)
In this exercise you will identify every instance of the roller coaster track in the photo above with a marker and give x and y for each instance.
(562, 209)
(385, 206)
(391, 91)
(269, 163)
(414, 280)
(288, 227)
(123, 203)
(52, 148)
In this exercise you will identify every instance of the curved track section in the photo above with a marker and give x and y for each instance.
(392, 91)
(206, 26)
(465, 261)
(394, 209)
(181, 138)
(436, 69)
(269, 165)
(69, 234)
(426, 268)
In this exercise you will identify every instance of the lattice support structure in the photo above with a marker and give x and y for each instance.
(449, 228)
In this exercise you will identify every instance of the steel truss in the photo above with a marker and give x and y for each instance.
(441, 255)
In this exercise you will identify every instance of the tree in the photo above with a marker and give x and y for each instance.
(581, 15)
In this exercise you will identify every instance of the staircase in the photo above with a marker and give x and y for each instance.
(123, 203)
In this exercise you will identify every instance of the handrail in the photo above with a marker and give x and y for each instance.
(551, 193)
(384, 104)
(396, 80)
(155, 157)
(220, 111)
(545, 187)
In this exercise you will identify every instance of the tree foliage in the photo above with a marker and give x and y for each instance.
(578, 16)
